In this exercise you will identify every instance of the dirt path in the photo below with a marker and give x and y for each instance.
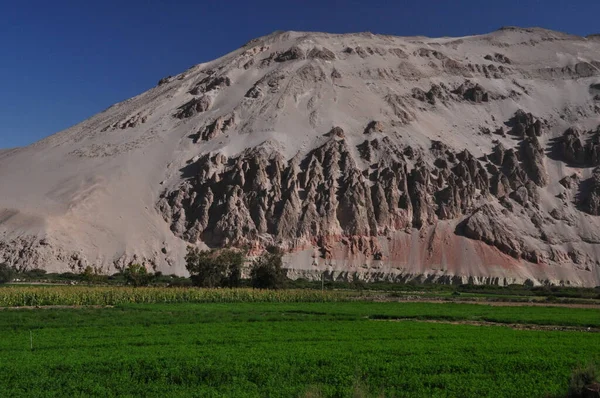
(482, 302)
(516, 326)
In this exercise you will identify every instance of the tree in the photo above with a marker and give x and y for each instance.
(136, 275)
(35, 274)
(7, 273)
(267, 271)
(214, 268)
(89, 274)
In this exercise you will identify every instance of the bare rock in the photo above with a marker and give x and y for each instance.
(336, 132)
(574, 150)
(571, 147)
(398, 52)
(472, 92)
(216, 128)
(196, 105)
(249, 64)
(374, 127)
(487, 224)
(429, 53)
(590, 202)
(254, 92)
(218, 82)
(294, 53)
(498, 58)
(210, 83)
(321, 53)
(525, 124)
(437, 92)
(534, 161)
(164, 80)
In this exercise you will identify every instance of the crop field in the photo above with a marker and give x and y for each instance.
(289, 349)
(17, 296)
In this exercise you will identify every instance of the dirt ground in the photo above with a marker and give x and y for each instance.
(516, 326)
(436, 300)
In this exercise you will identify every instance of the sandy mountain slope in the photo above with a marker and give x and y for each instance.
(451, 159)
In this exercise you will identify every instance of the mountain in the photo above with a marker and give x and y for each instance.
(471, 159)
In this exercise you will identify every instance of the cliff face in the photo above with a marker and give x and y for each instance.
(466, 159)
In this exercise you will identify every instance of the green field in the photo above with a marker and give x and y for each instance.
(330, 349)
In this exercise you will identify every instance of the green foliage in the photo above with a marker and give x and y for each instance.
(7, 273)
(280, 350)
(581, 378)
(214, 268)
(357, 283)
(17, 296)
(91, 275)
(267, 271)
(35, 274)
(136, 275)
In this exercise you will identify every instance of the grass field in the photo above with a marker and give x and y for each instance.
(329, 349)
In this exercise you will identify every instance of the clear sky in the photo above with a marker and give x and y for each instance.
(64, 61)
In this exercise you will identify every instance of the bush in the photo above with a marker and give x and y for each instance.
(136, 275)
(267, 271)
(90, 275)
(357, 283)
(7, 273)
(35, 273)
(179, 282)
(581, 378)
(214, 268)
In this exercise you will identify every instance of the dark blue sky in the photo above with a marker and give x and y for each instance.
(63, 61)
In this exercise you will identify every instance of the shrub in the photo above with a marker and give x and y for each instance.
(581, 378)
(214, 268)
(136, 275)
(179, 282)
(7, 273)
(267, 271)
(89, 274)
(357, 283)
(35, 273)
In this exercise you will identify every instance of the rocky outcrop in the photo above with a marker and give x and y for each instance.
(324, 196)
(193, 107)
(374, 127)
(164, 80)
(429, 53)
(365, 52)
(578, 70)
(269, 84)
(214, 129)
(210, 83)
(580, 153)
(437, 92)
(487, 224)
(130, 122)
(497, 57)
(292, 54)
(321, 53)
(525, 124)
(533, 159)
(590, 196)
(472, 92)
(467, 91)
